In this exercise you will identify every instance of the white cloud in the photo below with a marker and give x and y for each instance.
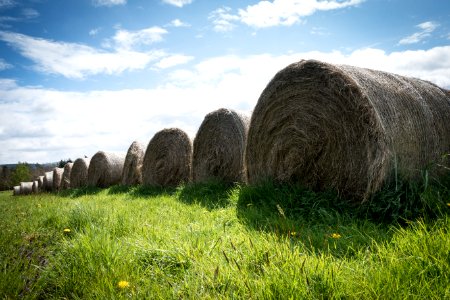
(76, 60)
(275, 13)
(4, 65)
(178, 23)
(30, 13)
(178, 3)
(94, 31)
(125, 39)
(108, 2)
(173, 60)
(36, 124)
(7, 3)
(426, 29)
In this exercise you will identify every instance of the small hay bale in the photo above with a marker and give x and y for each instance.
(219, 147)
(26, 188)
(346, 128)
(48, 181)
(65, 182)
(79, 173)
(105, 169)
(57, 179)
(40, 180)
(168, 159)
(35, 187)
(16, 190)
(132, 168)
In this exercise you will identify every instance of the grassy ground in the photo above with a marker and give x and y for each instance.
(213, 241)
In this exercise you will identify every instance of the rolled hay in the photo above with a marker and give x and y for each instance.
(105, 169)
(16, 190)
(346, 128)
(132, 168)
(65, 182)
(168, 159)
(219, 147)
(35, 187)
(79, 173)
(26, 188)
(40, 180)
(48, 181)
(57, 179)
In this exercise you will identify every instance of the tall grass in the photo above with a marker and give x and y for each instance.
(215, 241)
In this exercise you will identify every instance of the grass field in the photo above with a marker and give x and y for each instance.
(213, 241)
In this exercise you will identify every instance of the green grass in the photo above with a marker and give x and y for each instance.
(213, 241)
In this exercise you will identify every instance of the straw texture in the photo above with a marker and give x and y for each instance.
(65, 183)
(57, 178)
(105, 169)
(48, 181)
(132, 168)
(79, 173)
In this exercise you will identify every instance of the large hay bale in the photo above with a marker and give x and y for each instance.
(168, 159)
(346, 128)
(57, 178)
(26, 188)
(48, 181)
(40, 180)
(219, 147)
(79, 173)
(105, 169)
(35, 187)
(65, 182)
(132, 168)
(16, 190)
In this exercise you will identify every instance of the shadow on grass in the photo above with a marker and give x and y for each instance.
(211, 195)
(79, 192)
(120, 189)
(143, 191)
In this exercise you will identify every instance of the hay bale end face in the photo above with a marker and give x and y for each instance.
(16, 190)
(65, 182)
(35, 187)
(132, 168)
(48, 181)
(57, 178)
(346, 128)
(26, 188)
(105, 169)
(219, 147)
(168, 159)
(79, 173)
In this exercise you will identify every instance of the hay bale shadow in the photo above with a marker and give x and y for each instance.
(151, 191)
(211, 195)
(120, 189)
(79, 192)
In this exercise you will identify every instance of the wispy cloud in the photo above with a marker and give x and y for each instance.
(275, 13)
(108, 2)
(30, 13)
(4, 65)
(7, 3)
(426, 29)
(178, 3)
(173, 60)
(94, 31)
(125, 39)
(178, 23)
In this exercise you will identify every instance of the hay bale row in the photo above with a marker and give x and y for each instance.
(79, 173)
(105, 169)
(132, 168)
(26, 188)
(40, 180)
(16, 190)
(57, 178)
(48, 181)
(346, 128)
(167, 159)
(35, 187)
(65, 182)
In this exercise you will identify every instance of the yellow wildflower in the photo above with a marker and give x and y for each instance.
(336, 236)
(448, 204)
(123, 284)
(293, 233)
(66, 230)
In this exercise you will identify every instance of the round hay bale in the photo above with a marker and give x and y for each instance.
(105, 169)
(40, 180)
(132, 168)
(16, 190)
(219, 147)
(35, 187)
(168, 159)
(48, 181)
(26, 188)
(346, 128)
(79, 173)
(65, 182)
(57, 178)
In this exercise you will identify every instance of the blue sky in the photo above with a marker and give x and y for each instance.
(78, 76)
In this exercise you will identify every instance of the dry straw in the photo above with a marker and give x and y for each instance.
(40, 180)
(16, 190)
(35, 187)
(132, 168)
(105, 169)
(65, 182)
(79, 173)
(168, 159)
(26, 188)
(219, 147)
(346, 128)
(57, 178)
(48, 181)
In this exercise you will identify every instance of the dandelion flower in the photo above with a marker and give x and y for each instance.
(336, 236)
(123, 284)
(448, 204)
(66, 230)
(293, 233)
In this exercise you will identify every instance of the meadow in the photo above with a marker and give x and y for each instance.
(215, 241)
